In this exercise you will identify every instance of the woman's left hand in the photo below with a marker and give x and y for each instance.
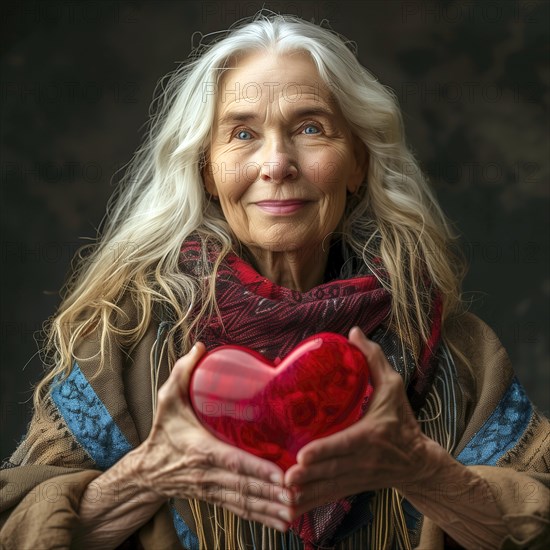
(385, 448)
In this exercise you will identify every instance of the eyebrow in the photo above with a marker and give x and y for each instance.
(246, 116)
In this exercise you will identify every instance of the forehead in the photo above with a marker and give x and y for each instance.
(261, 78)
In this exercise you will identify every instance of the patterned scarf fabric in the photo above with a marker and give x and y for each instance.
(272, 320)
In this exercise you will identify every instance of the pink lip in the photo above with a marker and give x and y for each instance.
(281, 207)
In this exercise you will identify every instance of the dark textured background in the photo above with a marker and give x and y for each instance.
(472, 79)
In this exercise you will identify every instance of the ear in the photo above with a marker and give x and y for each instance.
(208, 177)
(361, 167)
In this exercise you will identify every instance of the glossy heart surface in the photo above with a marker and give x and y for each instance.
(273, 410)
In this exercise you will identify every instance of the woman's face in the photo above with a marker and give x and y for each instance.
(282, 156)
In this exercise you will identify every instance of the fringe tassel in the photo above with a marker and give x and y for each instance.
(379, 535)
(253, 534)
(154, 376)
(155, 360)
(399, 521)
(387, 531)
(218, 527)
(239, 532)
(438, 416)
(197, 517)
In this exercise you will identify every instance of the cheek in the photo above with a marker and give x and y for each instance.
(332, 182)
(334, 186)
(231, 197)
(334, 208)
(236, 217)
(329, 171)
(233, 179)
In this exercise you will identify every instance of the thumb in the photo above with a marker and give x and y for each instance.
(183, 368)
(379, 368)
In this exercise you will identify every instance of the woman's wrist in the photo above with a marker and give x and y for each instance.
(116, 504)
(134, 478)
(459, 501)
(448, 483)
(120, 485)
(437, 469)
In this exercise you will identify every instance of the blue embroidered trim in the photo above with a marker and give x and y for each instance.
(186, 536)
(502, 429)
(89, 420)
(94, 428)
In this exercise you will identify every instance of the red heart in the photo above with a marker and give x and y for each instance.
(272, 410)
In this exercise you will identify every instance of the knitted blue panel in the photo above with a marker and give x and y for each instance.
(89, 420)
(502, 430)
(186, 536)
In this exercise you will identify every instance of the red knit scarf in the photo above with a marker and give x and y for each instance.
(272, 320)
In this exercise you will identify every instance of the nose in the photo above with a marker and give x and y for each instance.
(278, 162)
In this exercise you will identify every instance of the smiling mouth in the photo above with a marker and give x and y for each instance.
(281, 207)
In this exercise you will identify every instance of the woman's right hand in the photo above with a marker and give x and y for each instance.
(181, 459)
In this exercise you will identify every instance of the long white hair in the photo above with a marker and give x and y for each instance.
(162, 201)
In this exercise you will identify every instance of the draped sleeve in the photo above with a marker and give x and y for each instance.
(83, 426)
(505, 440)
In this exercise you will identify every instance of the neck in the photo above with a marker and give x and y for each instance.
(297, 269)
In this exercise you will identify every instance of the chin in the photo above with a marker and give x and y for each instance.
(278, 247)
(283, 239)
(287, 245)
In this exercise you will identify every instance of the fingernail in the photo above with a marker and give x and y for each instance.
(290, 496)
(284, 514)
(276, 478)
(283, 527)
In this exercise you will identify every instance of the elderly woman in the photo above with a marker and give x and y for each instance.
(275, 199)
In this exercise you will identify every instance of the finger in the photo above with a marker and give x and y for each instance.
(178, 381)
(273, 521)
(184, 366)
(174, 392)
(318, 493)
(336, 445)
(236, 460)
(329, 469)
(221, 485)
(379, 367)
(248, 497)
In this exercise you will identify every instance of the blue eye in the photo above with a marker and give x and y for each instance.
(243, 134)
(311, 127)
